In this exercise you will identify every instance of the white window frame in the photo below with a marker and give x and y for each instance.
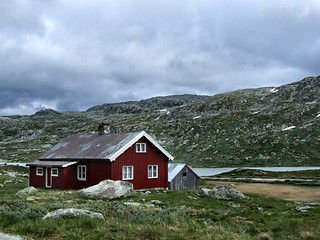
(153, 171)
(37, 171)
(126, 173)
(54, 175)
(141, 147)
(82, 172)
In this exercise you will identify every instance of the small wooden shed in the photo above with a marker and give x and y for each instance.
(182, 177)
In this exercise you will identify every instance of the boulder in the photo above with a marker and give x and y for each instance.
(141, 205)
(108, 189)
(73, 212)
(11, 174)
(223, 192)
(206, 192)
(156, 202)
(27, 191)
(303, 209)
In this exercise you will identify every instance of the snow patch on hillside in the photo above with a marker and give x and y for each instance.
(274, 90)
(288, 128)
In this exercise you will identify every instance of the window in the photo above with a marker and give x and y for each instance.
(141, 147)
(153, 171)
(54, 172)
(82, 172)
(127, 172)
(39, 171)
(184, 175)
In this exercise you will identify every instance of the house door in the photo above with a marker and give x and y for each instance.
(48, 177)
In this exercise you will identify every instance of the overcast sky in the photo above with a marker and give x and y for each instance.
(74, 54)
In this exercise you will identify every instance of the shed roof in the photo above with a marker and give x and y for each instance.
(107, 146)
(175, 168)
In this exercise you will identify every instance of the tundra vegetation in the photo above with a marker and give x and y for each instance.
(251, 127)
(175, 215)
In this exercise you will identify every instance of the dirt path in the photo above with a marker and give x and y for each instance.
(283, 191)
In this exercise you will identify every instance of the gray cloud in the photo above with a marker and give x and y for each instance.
(71, 55)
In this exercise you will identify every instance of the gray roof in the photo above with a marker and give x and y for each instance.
(175, 168)
(107, 146)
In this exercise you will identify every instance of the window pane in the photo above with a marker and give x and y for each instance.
(83, 172)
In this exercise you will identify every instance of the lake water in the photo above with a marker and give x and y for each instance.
(215, 171)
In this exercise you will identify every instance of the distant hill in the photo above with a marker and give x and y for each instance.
(251, 127)
(148, 105)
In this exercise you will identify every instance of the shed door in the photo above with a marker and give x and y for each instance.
(48, 177)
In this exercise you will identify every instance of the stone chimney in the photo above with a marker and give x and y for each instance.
(103, 128)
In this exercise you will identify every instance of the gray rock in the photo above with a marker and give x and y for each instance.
(303, 209)
(146, 193)
(133, 204)
(312, 204)
(192, 198)
(33, 198)
(136, 204)
(261, 209)
(108, 189)
(206, 192)
(224, 192)
(27, 191)
(73, 212)
(8, 181)
(232, 204)
(156, 202)
(11, 174)
(9, 237)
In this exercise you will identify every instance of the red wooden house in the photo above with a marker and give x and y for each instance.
(81, 161)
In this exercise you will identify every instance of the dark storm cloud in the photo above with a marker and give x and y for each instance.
(71, 55)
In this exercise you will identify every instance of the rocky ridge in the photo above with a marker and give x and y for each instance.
(271, 126)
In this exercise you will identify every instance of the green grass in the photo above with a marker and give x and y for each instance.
(181, 215)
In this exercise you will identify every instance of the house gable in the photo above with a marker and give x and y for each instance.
(114, 156)
(140, 162)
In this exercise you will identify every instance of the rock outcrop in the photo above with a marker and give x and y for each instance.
(223, 192)
(108, 189)
(27, 191)
(73, 212)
